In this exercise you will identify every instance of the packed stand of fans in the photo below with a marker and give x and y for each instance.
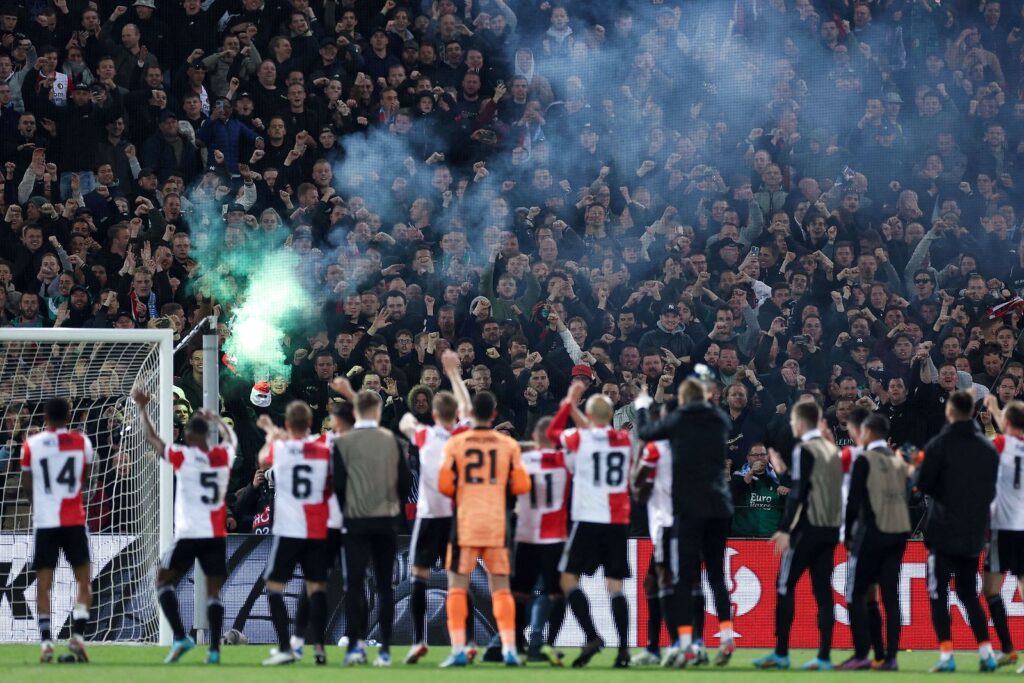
(810, 197)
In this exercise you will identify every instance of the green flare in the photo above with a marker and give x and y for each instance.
(258, 284)
(273, 300)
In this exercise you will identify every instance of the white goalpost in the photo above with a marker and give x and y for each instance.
(129, 494)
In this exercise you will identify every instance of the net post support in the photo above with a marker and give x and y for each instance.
(166, 427)
(211, 402)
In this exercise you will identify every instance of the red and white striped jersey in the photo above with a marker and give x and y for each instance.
(335, 520)
(302, 487)
(430, 441)
(1008, 507)
(542, 515)
(599, 458)
(657, 457)
(201, 487)
(57, 461)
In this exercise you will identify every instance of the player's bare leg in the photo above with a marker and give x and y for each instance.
(166, 580)
(279, 617)
(418, 605)
(44, 582)
(577, 601)
(215, 616)
(990, 586)
(80, 614)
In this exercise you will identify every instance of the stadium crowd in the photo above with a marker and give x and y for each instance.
(811, 198)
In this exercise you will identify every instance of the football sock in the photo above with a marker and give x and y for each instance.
(580, 607)
(457, 607)
(318, 615)
(418, 606)
(279, 617)
(620, 614)
(998, 611)
(215, 615)
(80, 615)
(169, 605)
(504, 607)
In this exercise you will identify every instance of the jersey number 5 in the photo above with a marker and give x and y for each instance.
(208, 480)
(65, 477)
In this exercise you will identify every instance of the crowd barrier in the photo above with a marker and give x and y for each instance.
(751, 569)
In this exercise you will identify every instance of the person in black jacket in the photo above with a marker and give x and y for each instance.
(807, 535)
(701, 501)
(959, 477)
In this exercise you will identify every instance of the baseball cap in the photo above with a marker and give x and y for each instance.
(151, 4)
(410, 45)
(167, 115)
(669, 308)
(727, 242)
(260, 394)
(328, 41)
(583, 371)
(234, 206)
(856, 343)
(893, 98)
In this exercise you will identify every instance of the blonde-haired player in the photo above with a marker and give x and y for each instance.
(599, 457)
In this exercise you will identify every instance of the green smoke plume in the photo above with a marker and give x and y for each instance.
(258, 285)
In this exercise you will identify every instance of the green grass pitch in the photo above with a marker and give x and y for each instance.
(241, 664)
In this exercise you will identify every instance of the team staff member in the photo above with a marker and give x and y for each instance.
(959, 477)
(481, 468)
(808, 535)
(877, 528)
(701, 502)
(371, 481)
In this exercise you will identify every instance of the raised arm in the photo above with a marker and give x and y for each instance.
(141, 399)
(227, 434)
(273, 433)
(452, 366)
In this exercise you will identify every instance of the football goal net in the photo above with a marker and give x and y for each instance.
(128, 495)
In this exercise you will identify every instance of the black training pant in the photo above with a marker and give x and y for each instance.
(941, 567)
(805, 555)
(875, 560)
(358, 551)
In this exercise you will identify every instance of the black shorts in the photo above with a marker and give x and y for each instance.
(1005, 552)
(592, 545)
(662, 554)
(211, 553)
(285, 553)
(537, 562)
(335, 539)
(72, 540)
(429, 543)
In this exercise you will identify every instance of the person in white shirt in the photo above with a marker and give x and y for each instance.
(1005, 552)
(54, 468)
(200, 519)
(300, 465)
(432, 529)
